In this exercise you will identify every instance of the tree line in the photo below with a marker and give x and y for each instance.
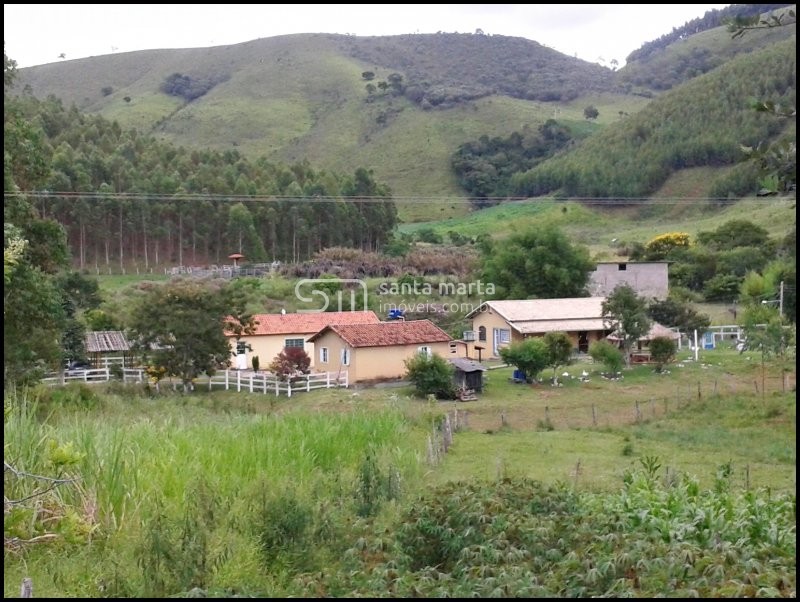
(126, 198)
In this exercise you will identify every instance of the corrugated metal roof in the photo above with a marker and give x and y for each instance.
(106, 341)
(384, 334)
(466, 365)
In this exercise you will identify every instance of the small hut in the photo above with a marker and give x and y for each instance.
(468, 373)
(106, 347)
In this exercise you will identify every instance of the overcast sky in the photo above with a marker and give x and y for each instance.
(40, 33)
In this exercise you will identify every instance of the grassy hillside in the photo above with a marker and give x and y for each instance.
(663, 68)
(303, 96)
(306, 96)
(704, 122)
(597, 226)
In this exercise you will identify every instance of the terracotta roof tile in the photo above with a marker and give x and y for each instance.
(384, 334)
(308, 323)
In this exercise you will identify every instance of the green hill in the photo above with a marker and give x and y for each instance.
(703, 122)
(305, 97)
(700, 46)
(401, 105)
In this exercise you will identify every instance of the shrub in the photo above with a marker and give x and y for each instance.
(531, 356)
(284, 527)
(431, 376)
(662, 350)
(606, 354)
(289, 362)
(659, 247)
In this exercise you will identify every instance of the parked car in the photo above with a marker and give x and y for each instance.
(77, 367)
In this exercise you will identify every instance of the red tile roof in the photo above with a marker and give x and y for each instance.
(385, 334)
(308, 323)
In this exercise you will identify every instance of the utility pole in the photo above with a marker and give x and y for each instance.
(780, 302)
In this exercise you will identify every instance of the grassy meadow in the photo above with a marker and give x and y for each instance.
(240, 492)
(605, 229)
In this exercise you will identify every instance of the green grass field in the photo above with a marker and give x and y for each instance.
(604, 229)
(175, 483)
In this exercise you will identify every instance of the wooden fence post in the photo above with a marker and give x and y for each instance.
(638, 412)
(594, 415)
(448, 432)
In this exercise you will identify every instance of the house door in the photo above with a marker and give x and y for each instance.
(241, 355)
(500, 338)
(583, 342)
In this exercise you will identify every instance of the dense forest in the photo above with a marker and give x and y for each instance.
(705, 122)
(128, 199)
(484, 168)
(444, 69)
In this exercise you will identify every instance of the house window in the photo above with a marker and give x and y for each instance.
(622, 267)
(453, 348)
(345, 357)
(294, 343)
(425, 350)
(323, 355)
(241, 347)
(482, 333)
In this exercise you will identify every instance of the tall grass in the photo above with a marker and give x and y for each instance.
(185, 496)
(127, 463)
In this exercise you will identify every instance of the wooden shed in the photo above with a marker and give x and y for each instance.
(106, 347)
(468, 373)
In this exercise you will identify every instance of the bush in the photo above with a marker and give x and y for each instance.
(290, 362)
(429, 235)
(607, 354)
(431, 376)
(530, 356)
(662, 350)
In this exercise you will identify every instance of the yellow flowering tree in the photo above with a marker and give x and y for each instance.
(661, 246)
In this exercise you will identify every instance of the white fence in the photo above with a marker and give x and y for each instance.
(239, 380)
(268, 383)
(97, 375)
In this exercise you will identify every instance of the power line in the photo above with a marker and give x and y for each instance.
(232, 198)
